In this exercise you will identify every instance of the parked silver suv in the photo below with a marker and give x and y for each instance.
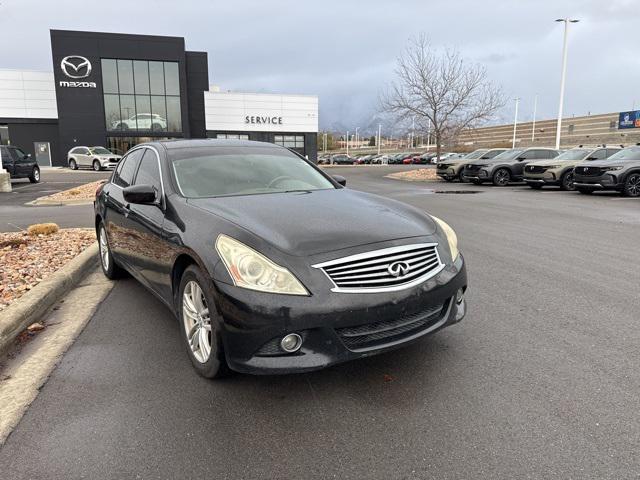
(92, 157)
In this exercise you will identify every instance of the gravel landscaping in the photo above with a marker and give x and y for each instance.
(419, 175)
(83, 192)
(27, 258)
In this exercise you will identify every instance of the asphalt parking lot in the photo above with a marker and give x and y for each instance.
(16, 215)
(539, 381)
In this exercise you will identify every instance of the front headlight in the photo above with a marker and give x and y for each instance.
(612, 169)
(452, 238)
(252, 270)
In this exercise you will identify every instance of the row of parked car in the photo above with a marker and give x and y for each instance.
(585, 169)
(406, 158)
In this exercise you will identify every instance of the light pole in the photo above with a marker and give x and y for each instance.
(515, 123)
(379, 138)
(357, 146)
(533, 127)
(566, 21)
(429, 135)
(347, 142)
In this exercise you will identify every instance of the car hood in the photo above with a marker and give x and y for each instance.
(545, 163)
(606, 163)
(108, 156)
(308, 223)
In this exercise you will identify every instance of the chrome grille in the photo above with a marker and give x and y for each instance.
(472, 168)
(588, 171)
(535, 169)
(383, 270)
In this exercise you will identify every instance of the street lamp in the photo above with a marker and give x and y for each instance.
(533, 127)
(566, 21)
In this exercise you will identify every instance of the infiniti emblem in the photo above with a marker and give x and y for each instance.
(398, 269)
(75, 66)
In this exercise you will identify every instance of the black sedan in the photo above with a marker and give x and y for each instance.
(269, 264)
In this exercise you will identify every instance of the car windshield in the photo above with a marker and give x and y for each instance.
(219, 171)
(100, 151)
(575, 154)
(629, 153)
(476, 154)
(508, 155)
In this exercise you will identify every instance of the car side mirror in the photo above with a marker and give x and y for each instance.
(521, 158)
(140, 194)
(340, 179)
(28, 155)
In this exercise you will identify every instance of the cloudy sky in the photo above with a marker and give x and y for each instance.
(344, 51)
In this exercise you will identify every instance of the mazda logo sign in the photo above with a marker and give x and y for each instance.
(75, 66)
(398, 269)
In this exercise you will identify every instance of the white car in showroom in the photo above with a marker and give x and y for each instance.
(96, 158)
(141, 121)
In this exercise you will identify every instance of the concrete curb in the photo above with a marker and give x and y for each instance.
(33, 305)
(58, 203)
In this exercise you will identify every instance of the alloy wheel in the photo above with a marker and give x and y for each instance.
(502, 177)
(36, 174)
(568, 182)
(632, 186)
(96, 165)
(104, 249)
(197, 321)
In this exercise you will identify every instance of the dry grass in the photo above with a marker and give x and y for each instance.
(43, 229)
(83, 192)
(419, 175)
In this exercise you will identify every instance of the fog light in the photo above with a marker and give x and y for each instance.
(459, 296)
(291, 343)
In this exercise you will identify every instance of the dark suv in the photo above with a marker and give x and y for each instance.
(619, 172)
(506, 167)
(19, 164)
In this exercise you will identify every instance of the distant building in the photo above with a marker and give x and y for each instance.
(586, 130)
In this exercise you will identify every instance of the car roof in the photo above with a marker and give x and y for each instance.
(212, 142)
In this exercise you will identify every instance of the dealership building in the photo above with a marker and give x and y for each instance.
(118, 90)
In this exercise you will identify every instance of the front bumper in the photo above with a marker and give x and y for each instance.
(546, 178)
(254, 322)
(605, 181)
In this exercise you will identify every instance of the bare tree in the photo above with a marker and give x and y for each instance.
(439, 87)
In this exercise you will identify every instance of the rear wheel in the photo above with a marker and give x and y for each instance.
(501, 177)
(632, 186)
(96, 166)
(35, 175)
(73, 165)
(200, 324)
(566, 182)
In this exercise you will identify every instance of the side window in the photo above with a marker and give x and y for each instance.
(552, 154)
(149, 171)
(599, 154)
(123, 176)
(18, 154)
(528, 155)
(81, 151)
(6, 157)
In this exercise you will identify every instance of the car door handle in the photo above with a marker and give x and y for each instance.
(126, 210)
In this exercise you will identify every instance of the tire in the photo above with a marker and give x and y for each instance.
(194, 297)
(632, 186)
(109, 266)
(35, 175)
(566, 182)
(73, 165)
(535, 186)
(501, 177)
(585, 191)
(156, 127)
(96, 166)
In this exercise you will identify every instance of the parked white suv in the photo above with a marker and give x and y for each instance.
(92, 157)
(142, 121)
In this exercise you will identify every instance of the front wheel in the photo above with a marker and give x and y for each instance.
(73, 165)
(502, 177)
(109, 267)
(200, 324)
(632, 186)
(566, 182)
(35, 175)
(96, 166)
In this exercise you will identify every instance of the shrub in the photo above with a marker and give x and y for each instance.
(42, 229)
